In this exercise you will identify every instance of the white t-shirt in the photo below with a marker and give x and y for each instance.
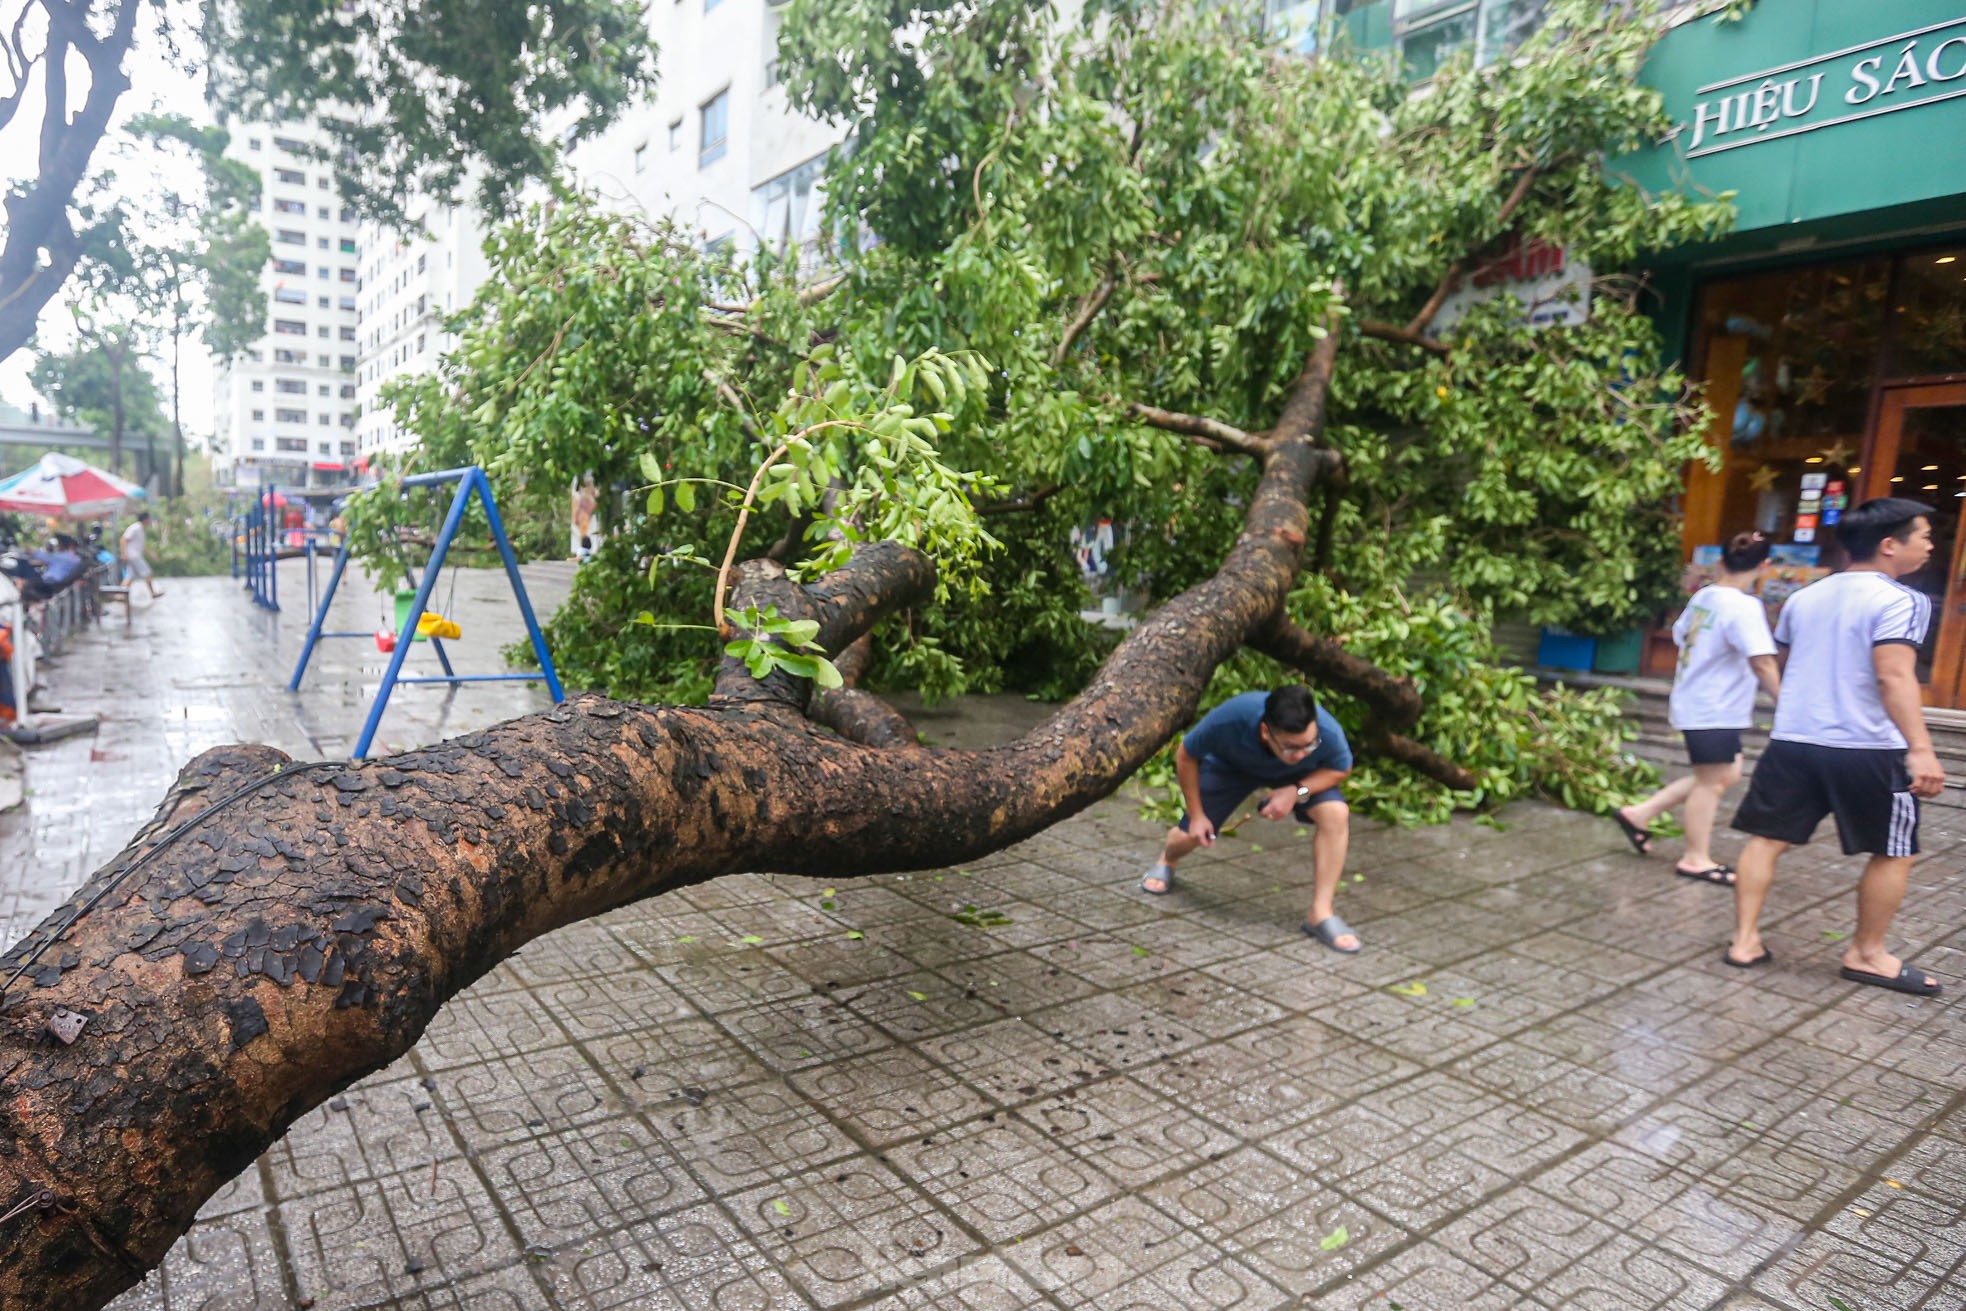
(1832, 627)
(133, 542)
(1720, 629)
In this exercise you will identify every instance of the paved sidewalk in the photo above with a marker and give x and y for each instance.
(1023, 1084)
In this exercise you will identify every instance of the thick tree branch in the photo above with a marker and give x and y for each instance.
(1212, 433)
(860, 716)
(1424, 760)
(265, 953)
(1303, 410)
(1021, 504)
(1387, 332)
(1394, 700)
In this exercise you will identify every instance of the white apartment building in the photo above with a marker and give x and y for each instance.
(717, 149)
(284, 412)
(406, 286)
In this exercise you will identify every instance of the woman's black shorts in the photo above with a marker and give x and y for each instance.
(1711, 746)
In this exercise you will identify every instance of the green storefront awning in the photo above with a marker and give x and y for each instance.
(1830, 119)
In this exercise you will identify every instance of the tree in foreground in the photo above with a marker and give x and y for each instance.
(1148, 268)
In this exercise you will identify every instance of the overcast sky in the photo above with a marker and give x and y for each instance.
(155, 85)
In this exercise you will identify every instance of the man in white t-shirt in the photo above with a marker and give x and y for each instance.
(1849, 739)
(135, 564)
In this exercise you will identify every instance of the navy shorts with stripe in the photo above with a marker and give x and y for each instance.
(1222, 792)
(1868, 789)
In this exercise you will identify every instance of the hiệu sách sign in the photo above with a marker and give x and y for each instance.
(1905, 71)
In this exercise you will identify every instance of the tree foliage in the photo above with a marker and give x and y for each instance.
(1144, 222)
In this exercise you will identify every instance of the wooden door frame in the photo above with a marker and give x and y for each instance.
(1948, 686)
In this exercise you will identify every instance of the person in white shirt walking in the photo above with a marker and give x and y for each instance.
(1725, 648)
(1849, 739)
(135, 565)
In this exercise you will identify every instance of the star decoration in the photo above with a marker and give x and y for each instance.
(1838, 454)
(1763, 478)
(1812, 388)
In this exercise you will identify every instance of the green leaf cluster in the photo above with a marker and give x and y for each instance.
(1043, 223)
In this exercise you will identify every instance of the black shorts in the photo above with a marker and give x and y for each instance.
(1868, 790)
(1222, 792)
(1711, 746)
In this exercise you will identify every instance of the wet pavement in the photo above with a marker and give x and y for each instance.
(1023, 1084)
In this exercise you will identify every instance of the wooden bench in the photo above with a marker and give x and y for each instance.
(106, 594)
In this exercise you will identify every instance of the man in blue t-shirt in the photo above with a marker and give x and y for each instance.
(1286, 744)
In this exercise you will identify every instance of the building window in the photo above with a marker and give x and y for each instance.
(347, 275)
(321, 331)
(285, 356)
(716, 128)
(1432, 31)
(290, 416)
(348, 302)
(348, 364)
(676, 135)
(348, 334)
(293, 177)
(259, 443)
(320, 389)
(787, 218)
(252, 143)
(290, 327)
(642, 157)
(288, 144)
(321, 360)
(324, 419)
(419, 262)
(259, 384)
(323, 300)
(291, 237)
(348, 419)
(259, 416)
(322, 183)
(348, 391)
(419, 343)
(322, 243)
(284, 206)
(290, 444)
(348, 448)
(347, 245)
(290, 386)
(290, 266)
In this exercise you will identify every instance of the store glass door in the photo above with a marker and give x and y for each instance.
(1921, 453)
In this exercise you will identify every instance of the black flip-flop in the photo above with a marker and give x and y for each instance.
(1714, 874)
(1640, 839)
(1914, 981)
(1765, 958)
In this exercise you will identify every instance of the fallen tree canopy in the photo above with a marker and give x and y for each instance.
(280, 930)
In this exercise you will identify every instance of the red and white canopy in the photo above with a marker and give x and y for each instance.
(62, 484)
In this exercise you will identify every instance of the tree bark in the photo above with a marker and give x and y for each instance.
(280, 930)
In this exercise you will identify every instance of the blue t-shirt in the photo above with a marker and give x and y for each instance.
(1226, 741)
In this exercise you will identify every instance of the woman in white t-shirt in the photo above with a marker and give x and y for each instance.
(1725, 648)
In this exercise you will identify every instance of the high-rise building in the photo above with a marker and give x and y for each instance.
(284, 412)
(408, 284)
(717, 148)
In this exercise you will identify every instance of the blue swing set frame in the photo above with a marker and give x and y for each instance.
(469, 479)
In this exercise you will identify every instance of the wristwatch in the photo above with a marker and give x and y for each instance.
(1302, 792)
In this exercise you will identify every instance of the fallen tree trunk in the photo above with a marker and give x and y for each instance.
(282, 930)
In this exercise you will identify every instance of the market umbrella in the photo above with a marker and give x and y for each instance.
(62, 484)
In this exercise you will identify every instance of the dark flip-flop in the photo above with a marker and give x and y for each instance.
(1765, 958)
(1715, 874)
(1328, 930)
(1640, 839)
(1914, 981)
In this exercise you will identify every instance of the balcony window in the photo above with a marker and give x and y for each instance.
(282, 206)
(716, 129)
(291, 444)
(290, 327)
(293, 177)
(291, 146)
(290, 416)
(347, 245)
(290, 386)
(290, 237)
(290, 266)
(1431, 31)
